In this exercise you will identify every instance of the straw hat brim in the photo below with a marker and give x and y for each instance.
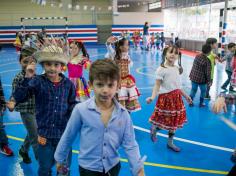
(41, 56)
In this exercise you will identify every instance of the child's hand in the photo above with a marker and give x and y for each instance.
(189, 99)
(149, 100)
(219, 105)
(141, 172)
(30, 70)
(11, 105)
(111, 39)
(62, 169)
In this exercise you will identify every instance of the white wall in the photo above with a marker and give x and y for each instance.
(138, 18)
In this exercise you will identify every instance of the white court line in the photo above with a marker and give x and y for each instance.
(9, 71)
(138, 71)
(7, 85)
(228, 122)
(188, 141)
(1, 65)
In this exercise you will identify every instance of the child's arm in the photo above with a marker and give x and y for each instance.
(131, 148)
(188, 98)
(72, 129)
(27, 86)
(110, 50)
(155, 91)
(72, 98)
(2, 99)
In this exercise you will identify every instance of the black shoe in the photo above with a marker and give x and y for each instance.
(208, 97)
(231, 89)
(191, 105)
(25, 157)
(224, 88)
(202, 105)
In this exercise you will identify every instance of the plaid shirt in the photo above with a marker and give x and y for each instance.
(201, 70)
(54, 103)
(29, 105)
(2, 99)
(230, 99)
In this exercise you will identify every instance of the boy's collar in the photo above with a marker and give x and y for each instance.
(92, 104)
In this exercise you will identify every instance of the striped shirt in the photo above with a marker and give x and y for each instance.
(54, 103)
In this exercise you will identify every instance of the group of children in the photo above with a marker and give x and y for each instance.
(55, 109)
(153, 41)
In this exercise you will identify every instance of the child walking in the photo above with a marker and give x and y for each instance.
(106, 124)
(26, 109)
(228, 58)
(75, 66)
(128, 92)
(4, 148)
(54, 100)
(200, 74)
(212, 57)
(169, 113)
(233, 66)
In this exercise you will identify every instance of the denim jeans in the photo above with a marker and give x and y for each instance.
(208, 88)
(30, 124)
(3, 136)
(112, 172)
(46, 157)
(195, 86)
(226, 83)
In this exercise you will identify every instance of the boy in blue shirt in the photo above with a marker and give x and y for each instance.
(103, 126)
(54, 101)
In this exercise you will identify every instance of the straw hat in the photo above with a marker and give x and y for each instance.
(52, 53)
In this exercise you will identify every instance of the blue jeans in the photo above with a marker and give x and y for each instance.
(226, 83)
(3, 136)
(195, 86)
(46, 157)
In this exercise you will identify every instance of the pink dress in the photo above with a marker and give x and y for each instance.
(75, 71)
(233, 77)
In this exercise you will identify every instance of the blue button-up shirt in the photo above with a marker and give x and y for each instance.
(54, 103)
(99, 144)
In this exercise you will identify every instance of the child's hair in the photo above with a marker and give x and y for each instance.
(80, 45)
(176, 50)
(104, 69)
(25, 52)
(211, 41)
(206, 49)
(118, 44)
(231, 45)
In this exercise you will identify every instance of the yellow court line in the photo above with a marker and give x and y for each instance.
(13, 123)
(154, 164)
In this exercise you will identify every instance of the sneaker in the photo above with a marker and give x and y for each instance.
(202, 105)
(224, 88)
(173, 148)
(25, 156)
(191, 105)
(6, 150)
(208, 97)
(232, 90)
(153, 133)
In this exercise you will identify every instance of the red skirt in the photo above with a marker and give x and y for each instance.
(170, 112)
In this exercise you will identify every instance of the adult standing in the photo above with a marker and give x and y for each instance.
(146, 35)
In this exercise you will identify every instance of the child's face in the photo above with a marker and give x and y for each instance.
(125, 47)
(74, 50)
(214, 46)
(25, 61)
(104, 91)
(172, 55)
(52, 69)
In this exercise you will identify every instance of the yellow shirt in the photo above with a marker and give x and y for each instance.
(211, 57)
